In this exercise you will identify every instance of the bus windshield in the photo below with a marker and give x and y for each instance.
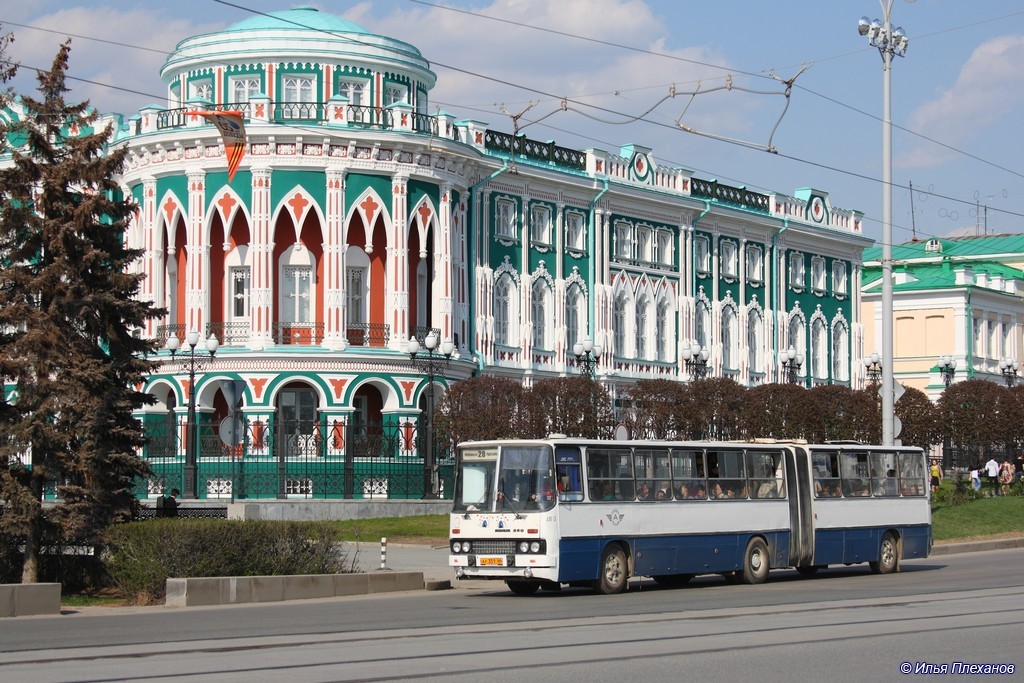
(526, 480)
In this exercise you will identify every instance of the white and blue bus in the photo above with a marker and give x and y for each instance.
(546, 512)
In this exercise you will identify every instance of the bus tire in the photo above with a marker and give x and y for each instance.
(523, 587)
(755, 561)
(888, 555)
(614, 571)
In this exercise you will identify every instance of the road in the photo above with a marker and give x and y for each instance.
(844, 624)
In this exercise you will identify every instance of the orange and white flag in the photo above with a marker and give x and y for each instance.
(232, 132)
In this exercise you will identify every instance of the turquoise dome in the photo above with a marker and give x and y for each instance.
(300, 18)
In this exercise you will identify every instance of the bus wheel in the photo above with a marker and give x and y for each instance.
(523, 587)
(888, 556)
(755, 562)
(614, 571)
(673, 579)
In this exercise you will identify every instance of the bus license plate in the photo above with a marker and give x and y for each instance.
(491, 561)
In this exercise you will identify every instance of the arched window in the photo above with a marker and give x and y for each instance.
(538, 314)
(663, 332)
(574, 314)
(754, 335)
(702, 324)
(796, 335)
(640, 332)
(504, 303)
(619, 321)
(819, 350)
(730, 356)
(840, 353)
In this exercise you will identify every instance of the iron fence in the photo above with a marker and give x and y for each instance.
(299, 460)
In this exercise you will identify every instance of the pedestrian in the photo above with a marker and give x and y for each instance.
(976, 478)
(1019, 465)
(1006, 476)
(992, 474)
(936, 475)
(167, 506)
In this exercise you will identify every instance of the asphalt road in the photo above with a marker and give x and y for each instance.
(844, 624)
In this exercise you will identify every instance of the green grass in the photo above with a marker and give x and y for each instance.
(91, 600)
(418, 529)
(979, 518)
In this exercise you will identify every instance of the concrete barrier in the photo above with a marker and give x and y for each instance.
(23, 599)
(319, 510)
(233, 590)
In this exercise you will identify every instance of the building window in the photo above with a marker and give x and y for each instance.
(840, 353)
(838, 278)
(356, 295)
(645, 244)
(574, 231)
(296, 295)
(505, 218)
(664, 248)
(240, 283)
(662, 333)
(243, 88)
(702, 323)
(394, 93)
(819, 350)
(503, 301)
(640, 332)
(979, 337)
(729, 339)
(354, 91)
(538, 313)
(623, 239)
(573, 314)
(619, 324)
(728, 257)
(202, 90)
(796, 335)
(755, 265)
(299, 96)
(540, 225)
(818, 275)
(754, 342)
(796, 271)
(701, 256)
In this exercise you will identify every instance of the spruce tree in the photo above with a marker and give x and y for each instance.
(71, 364)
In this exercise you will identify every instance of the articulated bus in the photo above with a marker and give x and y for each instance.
(547, 512)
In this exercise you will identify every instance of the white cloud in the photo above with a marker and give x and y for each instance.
(988, 89)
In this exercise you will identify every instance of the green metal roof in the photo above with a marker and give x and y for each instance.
(301, 18)
(974, 245)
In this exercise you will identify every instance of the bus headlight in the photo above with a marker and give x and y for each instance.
(535, 547)
(524, 546)
(460, 547)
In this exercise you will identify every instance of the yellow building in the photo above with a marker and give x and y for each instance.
(954, 299)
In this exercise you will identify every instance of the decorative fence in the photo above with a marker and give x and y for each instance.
(300, 460)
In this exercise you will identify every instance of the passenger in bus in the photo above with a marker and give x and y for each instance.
(643, 491)
(664, 491)
(717, 491)
(660, 494)
(609, 492)
(531, 503)
(701, 493)
(683, 493)
(768, 489)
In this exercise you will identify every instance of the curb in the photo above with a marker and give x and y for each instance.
(977, 546)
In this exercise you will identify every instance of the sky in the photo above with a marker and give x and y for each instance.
(607, 73)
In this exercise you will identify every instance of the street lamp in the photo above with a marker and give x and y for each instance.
(873, 366)
(191, 433)
(1008, 367)
(889, 42)
(947, 367)
(587, 356)
(431, 363)
(792, 361)
(696, 358)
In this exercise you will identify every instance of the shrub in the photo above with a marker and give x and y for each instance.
(959, 493)
(141, 556)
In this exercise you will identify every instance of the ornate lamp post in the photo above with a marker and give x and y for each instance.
(696, 357)
(431, 363)
(1008, 367)
(889, 43)
(192, 364)
(873, 366)
(588, 354)
(792, 361)
(947, 367)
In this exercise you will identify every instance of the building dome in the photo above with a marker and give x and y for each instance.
(300, 35)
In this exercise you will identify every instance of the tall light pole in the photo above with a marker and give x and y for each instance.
(947, 368)
(1008, 367)
(430, 363)
(588, 354)
(191, 433)
(873, 366)
(889, 42)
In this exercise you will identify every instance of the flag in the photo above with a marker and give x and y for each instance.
(232, 132)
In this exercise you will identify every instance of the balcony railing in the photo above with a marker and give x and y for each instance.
(517, 145)
(298, 334)
(733, 196)
(368, 334)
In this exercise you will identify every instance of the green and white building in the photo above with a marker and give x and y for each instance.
(358, 221)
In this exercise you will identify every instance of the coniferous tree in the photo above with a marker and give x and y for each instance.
(68, 311)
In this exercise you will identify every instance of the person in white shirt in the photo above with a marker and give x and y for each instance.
(975, 479)
(992, 472)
